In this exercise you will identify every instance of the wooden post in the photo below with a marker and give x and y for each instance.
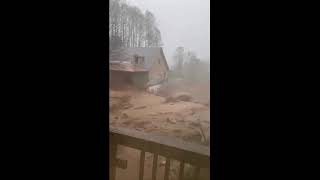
(167, 169)
(154, 167)
(181, 170)
(141, 171)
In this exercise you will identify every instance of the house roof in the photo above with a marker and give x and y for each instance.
(149, 53)
(123, 66)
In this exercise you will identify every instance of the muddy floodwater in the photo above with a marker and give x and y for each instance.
(149, 113)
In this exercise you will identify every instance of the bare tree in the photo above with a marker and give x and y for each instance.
(130, 27)
(179, 58)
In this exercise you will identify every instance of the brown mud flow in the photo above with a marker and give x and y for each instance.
(186, 117)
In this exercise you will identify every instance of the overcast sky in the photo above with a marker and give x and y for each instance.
(182, 23)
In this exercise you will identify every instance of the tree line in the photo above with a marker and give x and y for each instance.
(130, 27)
(189, 66)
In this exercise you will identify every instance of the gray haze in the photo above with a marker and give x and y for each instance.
(182, 23)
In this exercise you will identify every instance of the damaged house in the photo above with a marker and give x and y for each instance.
(140, 67)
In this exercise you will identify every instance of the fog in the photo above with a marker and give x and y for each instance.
(182, 23)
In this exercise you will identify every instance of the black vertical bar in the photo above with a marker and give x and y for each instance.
(142, 158)
(181, 170)
(154, 167)
(167, 169)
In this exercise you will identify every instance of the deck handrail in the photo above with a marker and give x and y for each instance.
(171, 148)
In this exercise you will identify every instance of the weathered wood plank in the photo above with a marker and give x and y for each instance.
(155, 167)
(167, 169)
(181, 170)
(141, 170)
(197, 173)
(172, 142)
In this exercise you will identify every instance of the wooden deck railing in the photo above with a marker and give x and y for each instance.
(170, 148)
